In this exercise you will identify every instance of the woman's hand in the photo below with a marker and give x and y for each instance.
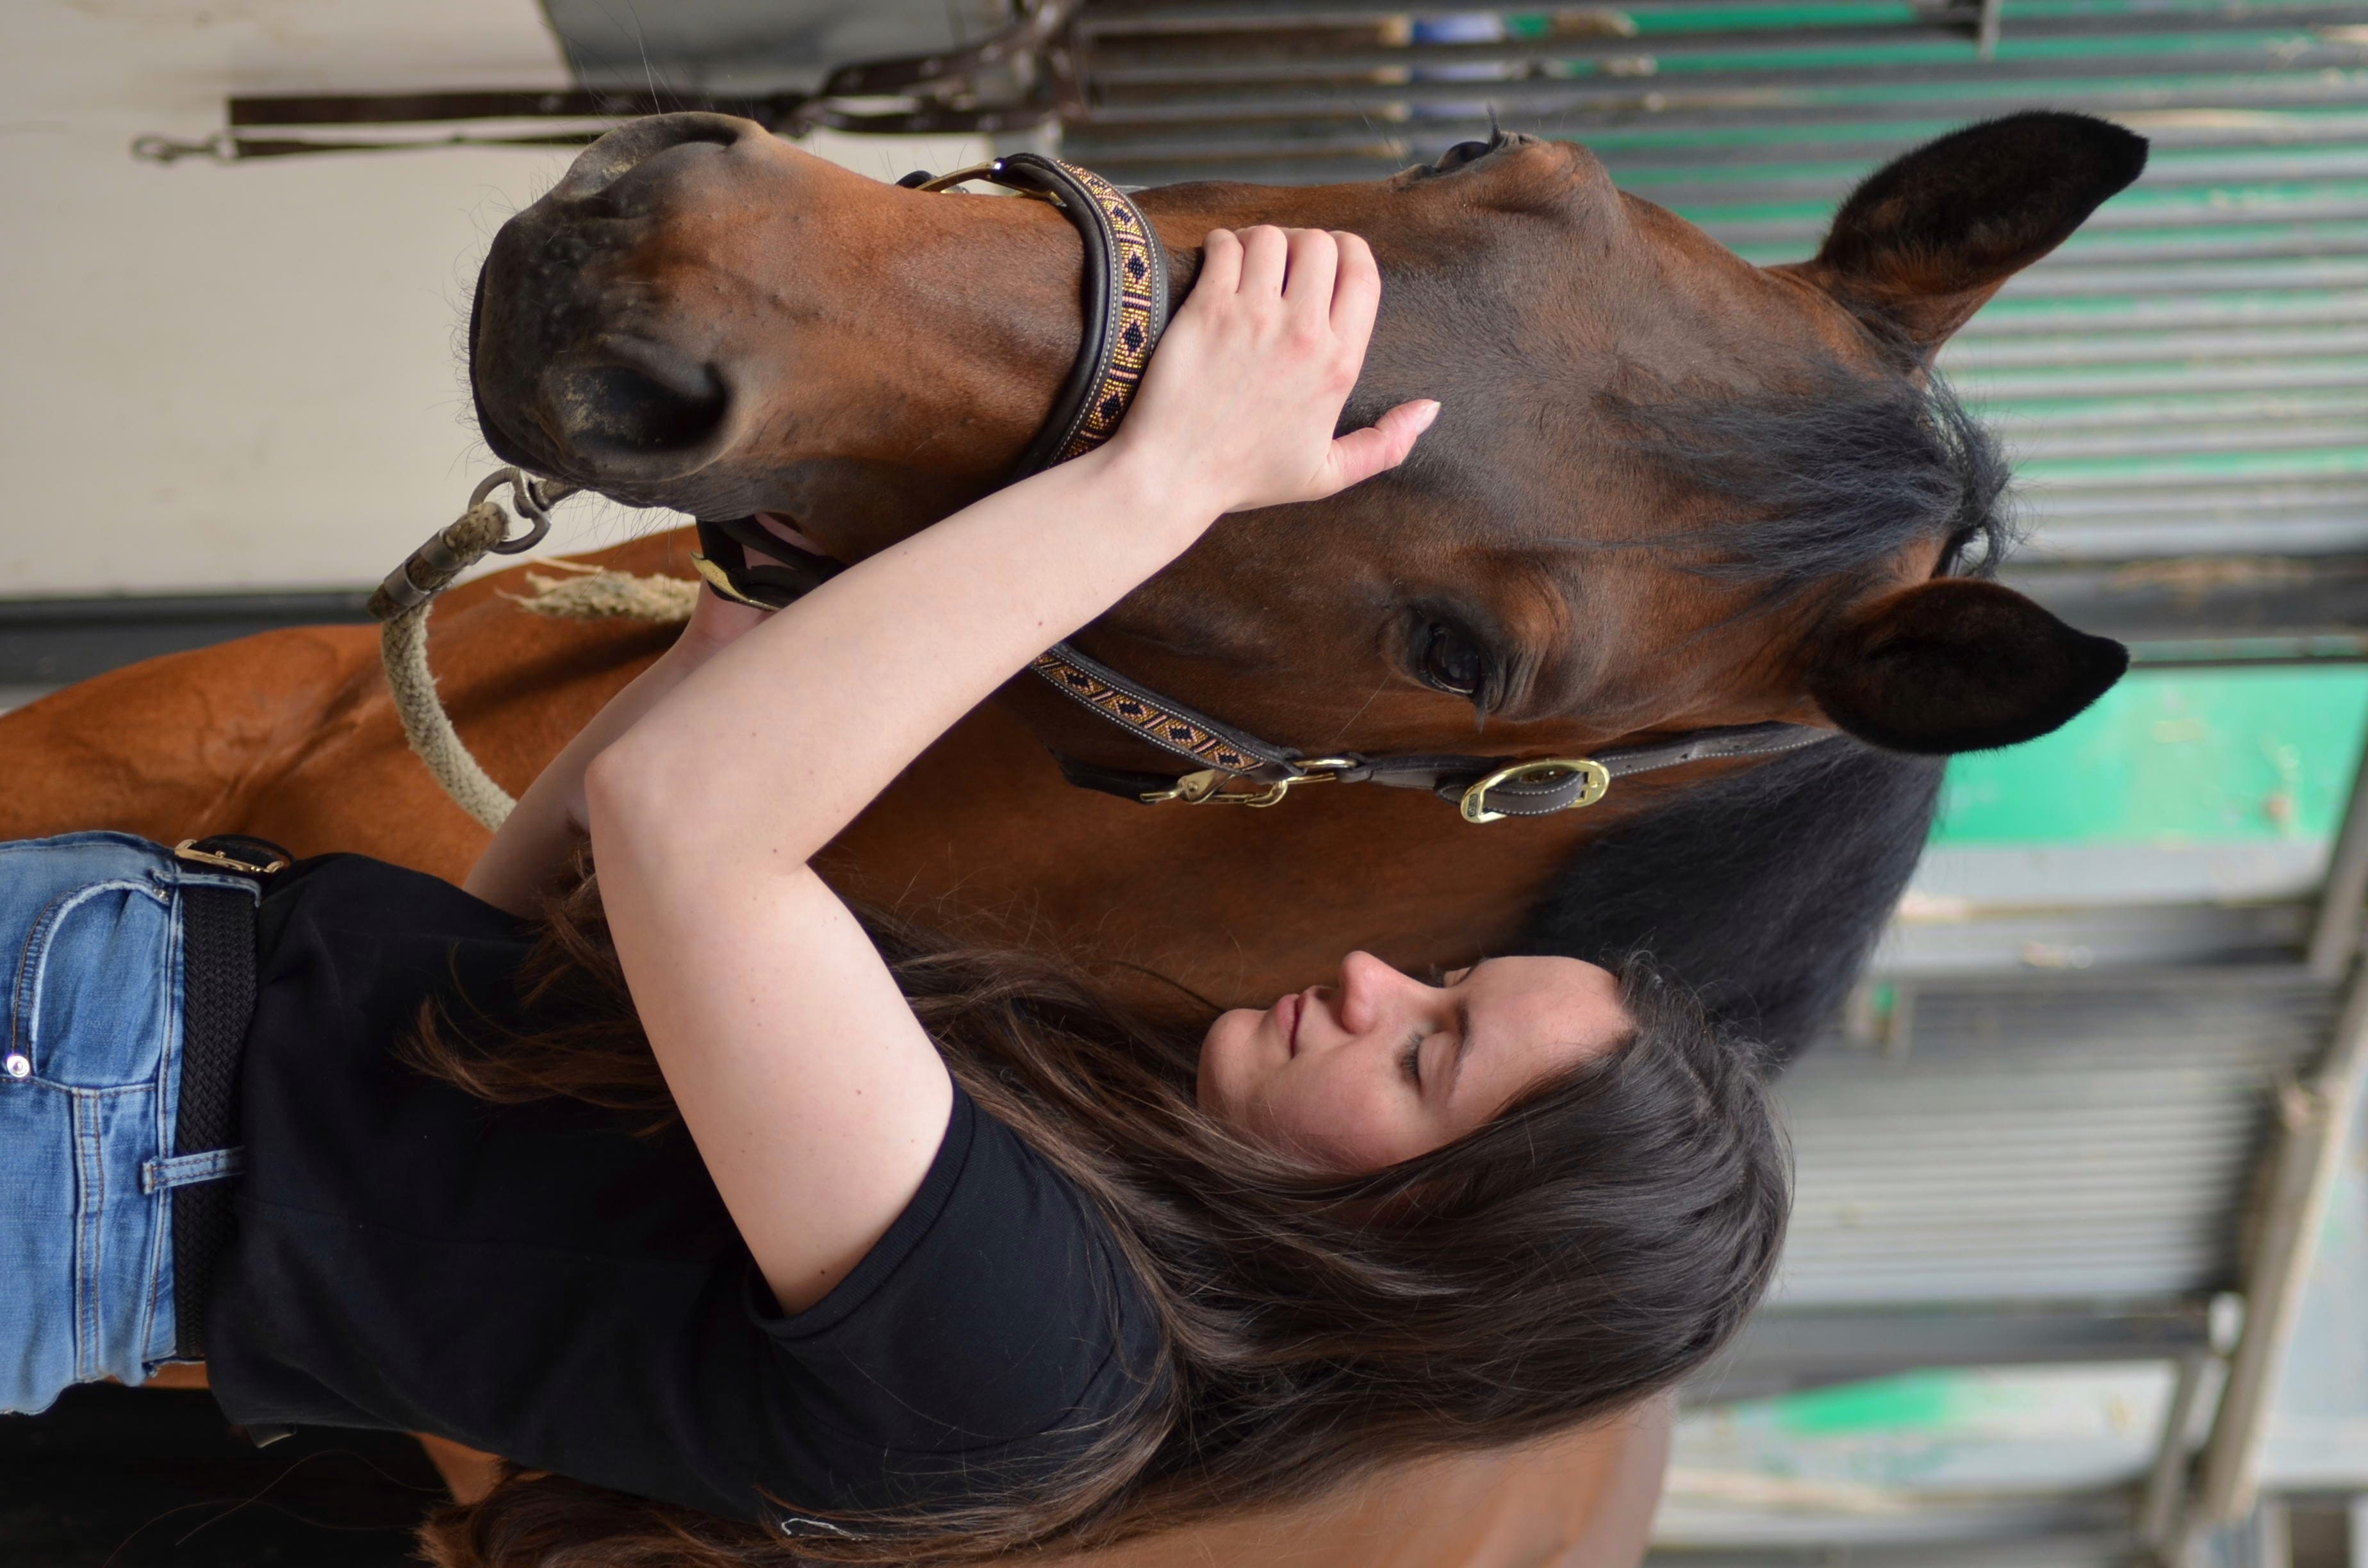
(1239, 404)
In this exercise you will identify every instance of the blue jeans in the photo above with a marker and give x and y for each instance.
(90, 935)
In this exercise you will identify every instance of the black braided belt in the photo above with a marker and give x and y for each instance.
(217, 1004)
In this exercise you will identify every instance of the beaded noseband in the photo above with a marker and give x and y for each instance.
(1124, 296)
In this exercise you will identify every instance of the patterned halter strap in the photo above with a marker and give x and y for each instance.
(1124, 295)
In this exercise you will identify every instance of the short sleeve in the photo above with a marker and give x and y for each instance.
(991, 1334)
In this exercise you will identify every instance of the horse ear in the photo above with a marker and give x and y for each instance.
(1956, 665)
(1929, 237)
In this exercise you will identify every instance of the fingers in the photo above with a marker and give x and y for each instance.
(1361, 454)
(1356, 292)
(1221, 263)
(1314, 262)
(1266, 255)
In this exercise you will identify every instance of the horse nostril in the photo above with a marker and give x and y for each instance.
(628, 146)
(637, 415)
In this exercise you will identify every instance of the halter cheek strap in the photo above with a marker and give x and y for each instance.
(1124, 296)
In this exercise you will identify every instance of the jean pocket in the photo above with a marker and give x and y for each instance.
(93, 1002)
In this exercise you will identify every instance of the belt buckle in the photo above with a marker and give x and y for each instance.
(188, 849)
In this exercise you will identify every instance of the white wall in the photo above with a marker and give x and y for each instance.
(248, 376)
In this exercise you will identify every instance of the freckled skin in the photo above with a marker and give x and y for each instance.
(1381, 1067)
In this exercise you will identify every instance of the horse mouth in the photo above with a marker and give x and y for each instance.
(794, 539)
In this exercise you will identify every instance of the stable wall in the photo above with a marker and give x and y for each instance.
(248, 377)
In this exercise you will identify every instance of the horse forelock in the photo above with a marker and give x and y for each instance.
(1812, 489)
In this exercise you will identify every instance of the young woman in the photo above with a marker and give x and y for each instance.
(760, 1233)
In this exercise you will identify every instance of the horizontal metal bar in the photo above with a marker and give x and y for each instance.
(1138, 17)
(2251, 652)
(2201, 597)
(46, 641)
(2289, 38)
(1552, 108)
(1787, 1348)
(2284, 73)
(2333, 374)
(281, 110)
(1648, 168)
(2025, 942)
(2094, 343)
(1729, 139)
(2173, 408)
(2139, 535)
(1569, 108)
(2037, 441)
(2165, 311)
(2278, 267)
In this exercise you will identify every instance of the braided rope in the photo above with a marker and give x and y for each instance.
(402, 645)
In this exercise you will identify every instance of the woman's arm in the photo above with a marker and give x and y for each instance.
(816, 1101)
(531, 851)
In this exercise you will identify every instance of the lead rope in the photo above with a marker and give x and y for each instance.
(401, 606)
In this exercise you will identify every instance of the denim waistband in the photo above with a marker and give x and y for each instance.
(102, 989)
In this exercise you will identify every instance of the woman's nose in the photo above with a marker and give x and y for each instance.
(1372, 991)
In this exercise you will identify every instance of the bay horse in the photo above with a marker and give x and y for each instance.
(1668, 490)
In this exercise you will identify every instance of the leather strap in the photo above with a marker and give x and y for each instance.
(1124, 291)
(1450, 775)
(1182, 733)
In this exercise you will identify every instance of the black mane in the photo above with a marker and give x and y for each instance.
(1815, 487)
(1766, 891)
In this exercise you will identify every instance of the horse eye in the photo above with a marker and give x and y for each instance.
(1462, 153)
(1451, 662)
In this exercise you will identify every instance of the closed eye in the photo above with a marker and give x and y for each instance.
(1410, 1060)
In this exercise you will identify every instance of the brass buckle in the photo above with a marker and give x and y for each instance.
(1206, 787)
(1474, 805)
(187, 850)
(991, 172)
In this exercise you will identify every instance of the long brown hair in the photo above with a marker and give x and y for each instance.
(1597, 1240)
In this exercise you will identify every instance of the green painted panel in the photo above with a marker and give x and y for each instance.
(1941, 52)
(1914, 1400)
(2264, 199)
(1688, 16)
(2164, 468)
(2176, 758)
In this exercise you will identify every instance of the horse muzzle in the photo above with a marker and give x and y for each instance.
(586, 360)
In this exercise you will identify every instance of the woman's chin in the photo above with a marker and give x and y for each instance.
(1226, 1040)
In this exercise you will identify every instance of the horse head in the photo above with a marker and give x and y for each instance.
(1669, 489)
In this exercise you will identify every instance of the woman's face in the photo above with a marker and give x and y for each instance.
(1382, 1067)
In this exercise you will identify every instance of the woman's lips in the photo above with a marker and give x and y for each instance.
(1287, 1010)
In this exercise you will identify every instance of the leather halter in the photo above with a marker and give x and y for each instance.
(1125, 301)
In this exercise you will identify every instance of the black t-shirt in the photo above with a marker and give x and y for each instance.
(538, 1281)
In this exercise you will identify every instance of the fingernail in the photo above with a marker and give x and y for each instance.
(1430, 413)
